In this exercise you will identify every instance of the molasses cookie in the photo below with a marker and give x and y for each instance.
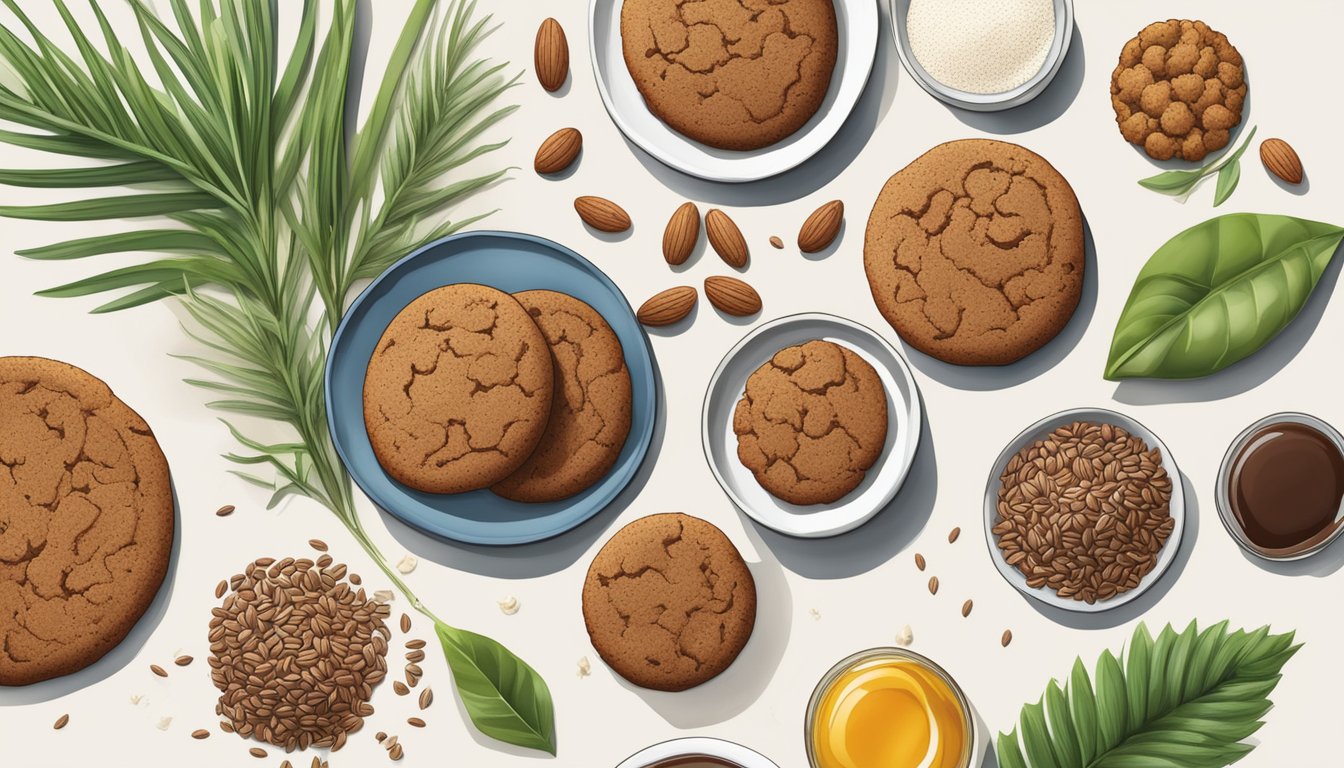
(458, 391)
(812, 422)
(669, 602)
(974, 252)
(733, 74)
(86, 519)
(590, 409)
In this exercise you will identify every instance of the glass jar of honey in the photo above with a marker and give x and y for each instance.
(889, 708)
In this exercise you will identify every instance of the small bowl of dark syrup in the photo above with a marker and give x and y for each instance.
(1281, 487)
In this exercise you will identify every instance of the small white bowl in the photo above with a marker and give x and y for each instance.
(1041, 429)
(734, 754)
(884, 479)
(986, 102)
(857, 22)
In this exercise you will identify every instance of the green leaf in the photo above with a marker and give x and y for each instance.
(505, 698)
(1218, 292)
(166, 240)
(105, 176)
(1212, 700)
(1228, 178)
(122, 207)
(1182, 183)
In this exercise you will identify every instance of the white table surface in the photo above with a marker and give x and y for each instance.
(819, 600)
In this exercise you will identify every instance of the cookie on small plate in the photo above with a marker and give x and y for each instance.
(86, 519)
(590, 408)
(458, 391)
(812, 422)
(669, 602)
(732, 75)
(975, 253)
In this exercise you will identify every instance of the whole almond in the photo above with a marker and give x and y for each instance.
(683, 229)
(558, 151)
(821, 227)
(1282, 160)
(551, 56)
(726, 238)
(732, 296)
(602, 214)
(667, 307)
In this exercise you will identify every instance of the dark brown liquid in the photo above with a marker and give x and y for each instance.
(694, 761)
(1287, 487)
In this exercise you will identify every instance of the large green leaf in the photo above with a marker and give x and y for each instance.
(506, 698)
(1188, 700)
(1218, 292)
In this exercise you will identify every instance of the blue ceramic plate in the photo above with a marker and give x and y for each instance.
(510, 262)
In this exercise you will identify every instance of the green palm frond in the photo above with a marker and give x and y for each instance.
(1186, 700)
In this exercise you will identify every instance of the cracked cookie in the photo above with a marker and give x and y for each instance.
(458, 391)
(733, 74)
(812, 422)
(974, 252)
(86, 519)
(590, 408)
(669, 602)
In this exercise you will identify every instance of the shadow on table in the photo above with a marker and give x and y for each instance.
(118, 657)
(1132, 610)
(815, 173)
(739, 687)
(1247, 374)
(872, 544)
(543, 558)
(1053, 102)
(981, 378)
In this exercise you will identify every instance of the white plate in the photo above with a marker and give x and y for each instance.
(883, 480)
(857, 22)
(1039, 430)
(698, 747)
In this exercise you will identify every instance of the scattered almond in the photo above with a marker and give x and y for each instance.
(933, 585)
(1282, 160)
(156, 669)
(919, 561)
(732, 296)
(776, 241)
(953, 535)
(966, 608)
(602, 214)
(726, 238)
(225, 510)
(182, 661)
(683, 229)
(558, 151)
(551, 55)
(61, 722)
(318, 544)
(200, 733)
(821, 227)
(1007, 637)
(668, 307)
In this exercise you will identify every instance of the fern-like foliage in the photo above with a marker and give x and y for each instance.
(1185, 700)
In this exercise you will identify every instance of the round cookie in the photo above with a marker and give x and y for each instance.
(733, 74)
(458, 390)
(86, 519)
(974, 252)
(669, 602)
(590, 408)
(812, 422)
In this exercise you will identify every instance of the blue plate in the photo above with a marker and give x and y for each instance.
(510, 262)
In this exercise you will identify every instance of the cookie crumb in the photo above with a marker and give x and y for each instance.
(816, 615)
(585, 667)
(906, 636)
(407, 564)
(509, 605)
(136, 698)
(384, 596)
(164, 722)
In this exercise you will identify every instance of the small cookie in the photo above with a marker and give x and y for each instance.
(590, 410)
(86, 519)
(974, 252)
(669, 602)
(811, 423)
(733, 74)
(458, 391)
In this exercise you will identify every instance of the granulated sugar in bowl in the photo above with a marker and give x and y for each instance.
(981, 46)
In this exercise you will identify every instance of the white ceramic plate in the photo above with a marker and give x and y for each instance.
(1039, 430)
(857, 22)
(697, 747)
(904, 417)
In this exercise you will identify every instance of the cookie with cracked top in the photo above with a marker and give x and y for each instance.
(86, 519)
(458, 391)
(669, 602)
(811, 423)
(733, 74)
(590, 408)
(974, 252)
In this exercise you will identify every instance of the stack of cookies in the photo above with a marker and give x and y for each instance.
(469, 388)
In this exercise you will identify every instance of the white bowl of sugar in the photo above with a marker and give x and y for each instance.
(983, 55)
